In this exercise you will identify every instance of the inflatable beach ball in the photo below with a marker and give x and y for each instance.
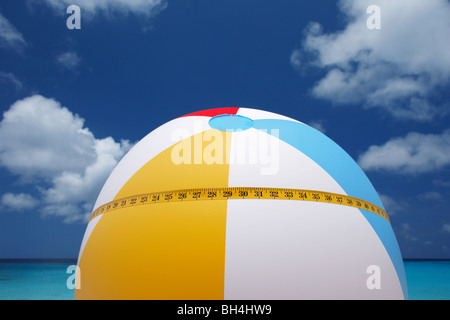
(238, 203)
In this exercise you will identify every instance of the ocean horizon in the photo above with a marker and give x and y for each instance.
(48, 279)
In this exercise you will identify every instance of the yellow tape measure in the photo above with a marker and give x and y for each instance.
(225, 193)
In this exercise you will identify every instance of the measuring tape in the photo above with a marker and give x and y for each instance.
(225, 193)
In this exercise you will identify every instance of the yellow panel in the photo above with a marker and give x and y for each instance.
(168, 250)
(162, 173)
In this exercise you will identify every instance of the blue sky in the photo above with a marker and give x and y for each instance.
(73, 101)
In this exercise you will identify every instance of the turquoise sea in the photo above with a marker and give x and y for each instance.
(47, 279)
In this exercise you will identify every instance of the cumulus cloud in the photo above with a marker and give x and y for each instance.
(446, 227)
(407, 232)
(414, 153)
(398, 67)
(18, 202)
(40, 138)
(69, 60)
(441, 183)
(110, 8)
(319, 125)
(72, 194)
(431, 196)
(10, 79)
(9, 36)
(46, 145)
(391, 205)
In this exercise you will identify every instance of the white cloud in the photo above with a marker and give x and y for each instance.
(9, 36)
(72, 193)
(398, 67)
(446, 227)
(410, 234)
(110, 8)
(40, 138)
(46, 145)
(414, 153)
(19, 202)
(318, 125)
(407, 232)
(11, 79)
(296, 59)
(441, 183)
(391, 205)
(431, 196)
(69, 60)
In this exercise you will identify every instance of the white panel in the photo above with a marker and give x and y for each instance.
(87, 233)
(260, 160)
(151, 145)
(255, 114)
(287, 249)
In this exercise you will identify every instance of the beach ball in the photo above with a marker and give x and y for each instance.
(238, 203)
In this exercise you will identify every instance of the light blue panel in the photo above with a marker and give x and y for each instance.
(230, 122)
(387, 236)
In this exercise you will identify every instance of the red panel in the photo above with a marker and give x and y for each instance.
(213, 112)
